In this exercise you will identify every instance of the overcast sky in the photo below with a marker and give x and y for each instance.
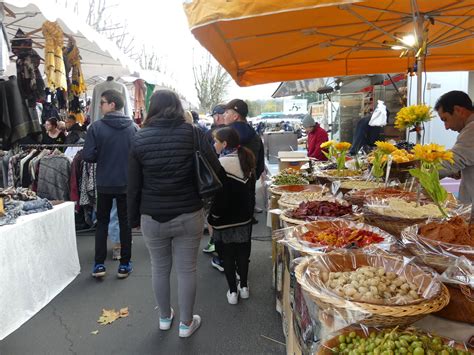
(163, 25)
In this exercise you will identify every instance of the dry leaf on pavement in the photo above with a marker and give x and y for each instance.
(111, 315)
(95, 332)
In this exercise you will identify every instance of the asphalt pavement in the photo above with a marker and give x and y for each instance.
(66, 324)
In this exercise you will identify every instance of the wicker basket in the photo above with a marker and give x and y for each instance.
(285, 218)
(461, 305)
(281, 189)
(373, 314)
(392, 225)
(325, 348)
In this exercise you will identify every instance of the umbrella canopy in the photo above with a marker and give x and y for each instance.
(266, 41)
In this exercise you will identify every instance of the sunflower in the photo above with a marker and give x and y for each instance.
(412, 115)
(327, 144)
(432, 153)
(342, 146)
(385, 147)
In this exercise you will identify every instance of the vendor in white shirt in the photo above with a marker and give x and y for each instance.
(456, 111)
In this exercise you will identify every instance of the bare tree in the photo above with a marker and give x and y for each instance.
(211, 82)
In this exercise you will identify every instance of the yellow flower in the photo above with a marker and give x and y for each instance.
(385, 147)
(327, 144)
(341, 146)
(411, 115)
(432, 153)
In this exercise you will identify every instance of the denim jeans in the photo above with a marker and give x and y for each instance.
(114, 230)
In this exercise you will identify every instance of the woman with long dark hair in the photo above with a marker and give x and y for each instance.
(163, 199)
(232, 210)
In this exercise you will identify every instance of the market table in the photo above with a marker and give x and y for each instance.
(39, 259)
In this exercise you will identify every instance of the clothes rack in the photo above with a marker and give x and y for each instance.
(49, 145)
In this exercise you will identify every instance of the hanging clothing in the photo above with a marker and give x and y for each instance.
(73, 61)
(140, 88)
(53, 177)
(150, 88)
(4, 44)
(30, 80)
(75, 109)
(54, 63)
(16, 121)
(94, 111)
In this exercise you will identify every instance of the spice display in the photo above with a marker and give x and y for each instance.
(371, 284)
(299, 197)
(360, 185)
(342, 237)
(393, 341)
(289, 177)
(454, 231)
(385, 193)
(342, 173)
(319, 208)
(396, 207)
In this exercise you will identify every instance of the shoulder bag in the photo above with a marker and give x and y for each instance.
(208, 182)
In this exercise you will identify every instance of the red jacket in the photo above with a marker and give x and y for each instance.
(315, 139)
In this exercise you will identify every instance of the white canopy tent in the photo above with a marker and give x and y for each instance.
(100, 56)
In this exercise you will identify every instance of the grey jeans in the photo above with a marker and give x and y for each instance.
(176, 240)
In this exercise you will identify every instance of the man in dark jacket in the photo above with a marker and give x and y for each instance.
(235, 115)
(75, 132)
(108, 143)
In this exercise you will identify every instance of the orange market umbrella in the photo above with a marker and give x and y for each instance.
(266, 41)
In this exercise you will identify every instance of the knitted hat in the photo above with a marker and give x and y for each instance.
(308, 121)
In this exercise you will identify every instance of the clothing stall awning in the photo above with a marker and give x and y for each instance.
(267, 41)
(100, 56)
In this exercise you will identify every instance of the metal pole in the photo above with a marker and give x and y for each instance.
(419, 93)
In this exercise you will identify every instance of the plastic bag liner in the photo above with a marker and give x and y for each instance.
(292, 237)
(325, 346)
(461, 273)
(397, 208)
(336, 309)
(435, 253)
(354, 215)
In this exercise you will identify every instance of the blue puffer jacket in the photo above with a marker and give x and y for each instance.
(108, 142)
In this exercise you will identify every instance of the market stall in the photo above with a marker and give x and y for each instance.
(39, 259)
(348, 220)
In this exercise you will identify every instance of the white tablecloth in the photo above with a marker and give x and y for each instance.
(38, 259)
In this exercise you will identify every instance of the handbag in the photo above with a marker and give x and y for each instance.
(208, 182)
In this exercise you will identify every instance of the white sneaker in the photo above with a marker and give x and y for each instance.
(244, 292)
(232, 298)
(186, 331)
(165, 323)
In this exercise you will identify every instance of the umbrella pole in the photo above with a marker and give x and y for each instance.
(419, 92)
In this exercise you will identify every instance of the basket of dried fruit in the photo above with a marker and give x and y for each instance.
(294, 189)
(395, 214)
(293, 200)
(349, 185)
(361, 196)
(312, 210)
(396, 340)
(328, 234)
(373, 289)
(440, 245)
(330, 175)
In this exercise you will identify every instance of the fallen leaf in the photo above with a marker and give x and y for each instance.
(95, 332)
(111, 315)
(123, 312)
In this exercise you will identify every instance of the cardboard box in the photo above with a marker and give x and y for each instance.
(292, 160)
